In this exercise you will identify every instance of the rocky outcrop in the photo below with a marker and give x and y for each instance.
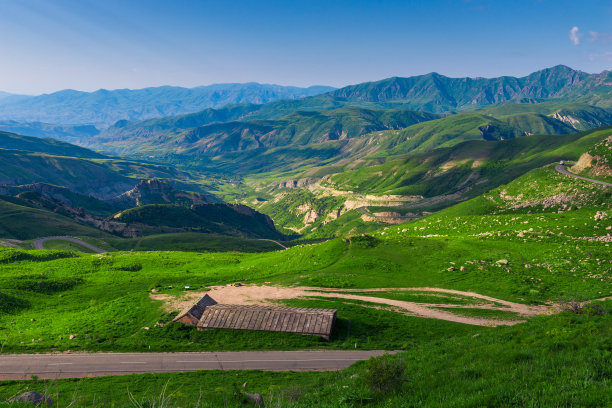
(297, 183)
(35, 398)
(597, 161)
(156, 191)
(310, 217)
(573, 122)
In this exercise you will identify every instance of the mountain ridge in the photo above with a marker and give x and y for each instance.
(105, 107)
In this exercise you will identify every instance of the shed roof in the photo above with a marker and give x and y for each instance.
(197, 309)
(317, 322)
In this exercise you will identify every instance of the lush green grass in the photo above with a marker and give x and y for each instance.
(444, 177)
(104, 298)
(20, 221)
(551, 361)
(486, 313)
(192, 242)
(210, 218)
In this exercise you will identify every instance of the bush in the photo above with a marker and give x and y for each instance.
(385, 375)
(589, 309)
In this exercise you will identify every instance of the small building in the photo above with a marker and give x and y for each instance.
(208, 314)
(315, 322)
(191, 315)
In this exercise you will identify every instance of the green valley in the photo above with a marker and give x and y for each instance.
(434, 215)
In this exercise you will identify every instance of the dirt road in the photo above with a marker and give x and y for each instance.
(39, 243)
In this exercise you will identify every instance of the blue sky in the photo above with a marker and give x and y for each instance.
(83, 44)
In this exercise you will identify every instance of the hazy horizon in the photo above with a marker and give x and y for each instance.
(90, 45)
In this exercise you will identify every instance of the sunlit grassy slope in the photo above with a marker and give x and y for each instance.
(555, 249)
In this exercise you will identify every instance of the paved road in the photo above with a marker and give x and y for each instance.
(561, 169)
(22, 366)
(39, 243)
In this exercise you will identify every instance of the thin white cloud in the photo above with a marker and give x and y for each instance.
(574, 35)
(600, 37)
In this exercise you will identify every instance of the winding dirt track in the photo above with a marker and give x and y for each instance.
(39, 243)
(268, 294)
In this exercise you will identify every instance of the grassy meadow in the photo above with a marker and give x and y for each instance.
(550, 361)
(540, 239)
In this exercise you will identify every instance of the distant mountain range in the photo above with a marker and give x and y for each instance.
(415, 114)
(103, 107)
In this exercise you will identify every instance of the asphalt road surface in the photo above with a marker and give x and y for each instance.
(561, 169)
(23, 366)
(39, 243)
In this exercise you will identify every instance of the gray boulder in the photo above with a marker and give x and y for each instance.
(35, 398)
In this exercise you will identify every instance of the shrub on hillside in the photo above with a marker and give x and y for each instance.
(577, 307)
(385, 375)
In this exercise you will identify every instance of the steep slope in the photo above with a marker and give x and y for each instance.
(597, 162)
(104, 107)
(29, 160)
(339, 200)
(157, 191)
(19, 219)
(61, 195)
(220, 218)
(69, 133)
(46, 145)
(79, 175)
(298, 128)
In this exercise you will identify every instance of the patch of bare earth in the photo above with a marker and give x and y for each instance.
(266, 295)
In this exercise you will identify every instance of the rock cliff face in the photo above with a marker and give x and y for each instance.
(297, 183)
(597, 162)
(157, 191)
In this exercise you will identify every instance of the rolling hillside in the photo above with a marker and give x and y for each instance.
(345, 200)
(20, 220)
(46, 145)
(296, 134)
(30, 160)
(68, 133)
(297, 129)
(218, 218)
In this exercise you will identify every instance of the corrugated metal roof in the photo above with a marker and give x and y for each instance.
(317, 322)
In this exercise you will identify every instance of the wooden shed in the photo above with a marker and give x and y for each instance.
(191, 315)
(316, 322)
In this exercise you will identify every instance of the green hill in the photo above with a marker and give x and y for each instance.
(328, 204)
(19, 220)
(44, 145)
(60, 197)
(70, 133)
(597, 162)
(226, 219)
(297, 129)
(79, 175)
